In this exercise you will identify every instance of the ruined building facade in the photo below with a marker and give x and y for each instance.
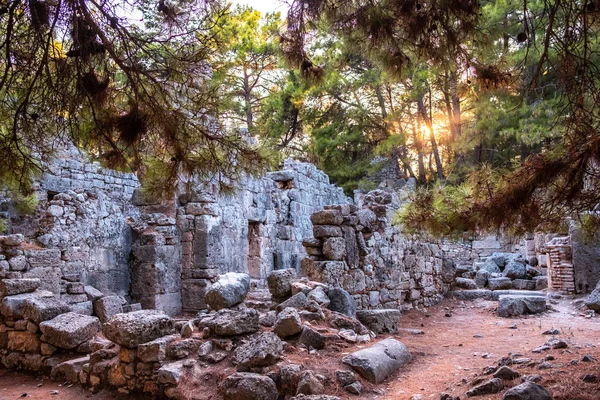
(94, 227)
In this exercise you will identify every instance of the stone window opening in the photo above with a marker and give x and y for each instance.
(255, 249)
(50, 195)
(285, 185)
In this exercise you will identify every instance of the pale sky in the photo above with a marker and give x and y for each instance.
(264, 6)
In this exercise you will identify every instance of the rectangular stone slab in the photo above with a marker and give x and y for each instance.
(69, 330)
(43, 309)
(379, 361)
(10, 287)
(509, 305)
(497, 293)
(134, 328)
(12, 306)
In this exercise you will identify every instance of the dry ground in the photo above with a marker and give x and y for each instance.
(447, 358)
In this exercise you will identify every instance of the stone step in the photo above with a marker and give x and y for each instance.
(514, 305)
(497, 293)
(473, 294)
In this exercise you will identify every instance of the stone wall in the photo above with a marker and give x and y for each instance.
(359, 250)
(258, 228)
(79, 226)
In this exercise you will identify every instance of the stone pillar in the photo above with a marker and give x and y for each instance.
(560, 265)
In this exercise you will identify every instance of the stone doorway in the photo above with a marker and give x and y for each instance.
(255, 242)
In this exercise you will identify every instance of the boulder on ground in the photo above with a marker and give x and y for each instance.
(69, 330)
(233, 322)
(341, 301)
(465, 283)
(280, 283)
(488, 387)
(298, 300)
(134, 328)
(509, 305)
(288, 323)
(318, 294)
(379, 361)
(593, 300)
(527, 391)
(515, 270)
(309, 384)
(248, 386)
(229, 290)
(107, 307)
(38, 309)
(380, 321)
(10, 287)
(262, 351)
(311, 338)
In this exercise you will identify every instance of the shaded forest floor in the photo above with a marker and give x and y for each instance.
(460, 340)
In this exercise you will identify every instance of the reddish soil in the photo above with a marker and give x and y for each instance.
(447, 358)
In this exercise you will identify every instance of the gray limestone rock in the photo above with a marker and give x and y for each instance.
(69, 370)
(593, 300)
(473, 294)
(334, 248)
(499, 283)
(309, 384)
(527, 391)
(183, 348)
(155, 350)
(541, 282)
(280, 283)
(509, 305)
(448, 270)
(12, 306)
(345, 378)
(379, 361)
(326, 231)
(83, 308)
(107, 307)
(506, 373)
(40, 309)
(327, 217)
(288, 323)
(298, 301)
(229, 322)
(311, 338)
(92, 293)
(381, 320)
(318, 294)
(315, 397)
(488, 387)
(490, 266)
(262, 351)
(465, 283)
(229, 290)
(341, 301)
(481, 278)
(11, 287)
(69, 330)
(515, 270)
(523, 284)
(134, 328)
(248, 386)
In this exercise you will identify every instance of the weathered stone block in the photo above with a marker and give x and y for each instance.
(499, 283)
(155, 350)
(10, 287)
(248, 386)
(83, 308)
(334, 248)
(69, 330)
(12, 306)
(107, 307)
(229, 322)
(509, 305)
(325, 231)
(69, 370)
(288, 323)
(262, 351)
(132, 329)
(43, 308)
(327, 217)
(379, 361)
(341, 301)
(43, 258)
(380, 321)
(229, 290)
(280, 283)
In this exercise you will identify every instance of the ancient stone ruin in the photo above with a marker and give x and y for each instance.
(106, 287)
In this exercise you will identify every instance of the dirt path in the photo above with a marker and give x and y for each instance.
(453, 348)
